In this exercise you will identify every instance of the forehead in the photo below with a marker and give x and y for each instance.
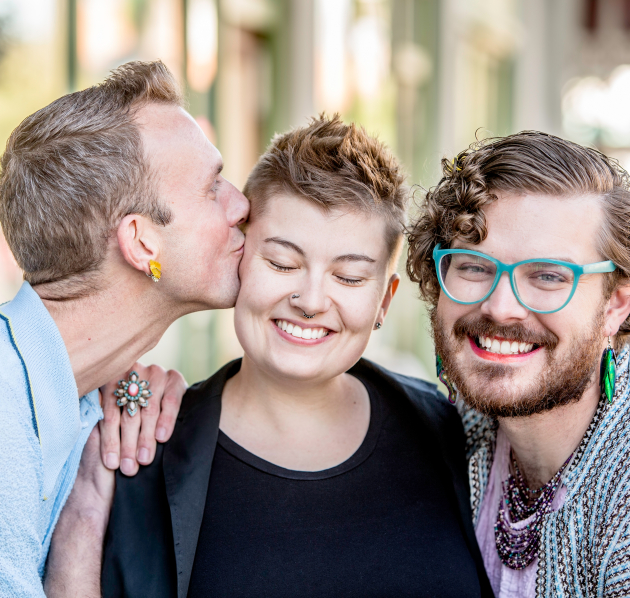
(319, 232)
(175, 144)
(529, 226)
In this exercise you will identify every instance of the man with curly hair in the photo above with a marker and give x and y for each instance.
(522, 251)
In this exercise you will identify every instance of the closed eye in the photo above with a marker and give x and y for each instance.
(280, 268)
(350, 281)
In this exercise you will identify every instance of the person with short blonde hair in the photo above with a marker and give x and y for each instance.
(303, 469)
(113, 204)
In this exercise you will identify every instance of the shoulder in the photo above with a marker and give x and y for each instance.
(428, 401)
(12, 378)
(201, 395)
(22, 475)
(438, 419)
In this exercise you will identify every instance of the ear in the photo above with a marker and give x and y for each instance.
(138, 241)
(617, 310)
(392, 287)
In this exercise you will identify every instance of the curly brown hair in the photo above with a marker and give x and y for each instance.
(333, 165)
(527, 162)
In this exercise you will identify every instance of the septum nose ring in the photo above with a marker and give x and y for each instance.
(304, 314)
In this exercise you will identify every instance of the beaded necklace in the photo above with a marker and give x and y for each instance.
(517, 548)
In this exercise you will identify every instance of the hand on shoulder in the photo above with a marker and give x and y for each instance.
(130, 441)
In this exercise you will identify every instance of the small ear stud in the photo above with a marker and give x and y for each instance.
(295, 296)
(378, 325)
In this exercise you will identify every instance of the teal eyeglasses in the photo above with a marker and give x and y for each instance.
(542, 286)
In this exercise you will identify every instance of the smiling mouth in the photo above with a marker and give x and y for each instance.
(299, 332)
(503, 346)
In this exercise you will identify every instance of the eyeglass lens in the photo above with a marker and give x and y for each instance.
(542, 286)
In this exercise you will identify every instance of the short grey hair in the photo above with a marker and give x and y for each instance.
(72, 170)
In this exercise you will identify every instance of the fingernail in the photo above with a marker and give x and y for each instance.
(127, 466)
(143, 455)
(111, 461)
(160, 434)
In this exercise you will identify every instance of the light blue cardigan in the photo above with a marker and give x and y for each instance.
(43, 429)
(585, 545)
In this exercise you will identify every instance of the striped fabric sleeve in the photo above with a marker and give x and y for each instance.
(614, 575)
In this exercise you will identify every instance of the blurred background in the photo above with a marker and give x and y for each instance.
(426, 76)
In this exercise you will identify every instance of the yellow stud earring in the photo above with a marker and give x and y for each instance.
(156, 270)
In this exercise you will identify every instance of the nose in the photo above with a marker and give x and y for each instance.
(236, 204)
(502, 305)
(313, 298)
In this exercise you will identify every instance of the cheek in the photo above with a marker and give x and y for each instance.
(213, 231)
(358, 309)
(261, 288)
(449, 312)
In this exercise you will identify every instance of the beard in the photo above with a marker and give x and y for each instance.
(563, 380)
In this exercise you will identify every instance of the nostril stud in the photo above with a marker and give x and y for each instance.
(295, 296)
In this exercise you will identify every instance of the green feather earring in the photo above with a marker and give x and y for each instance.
(607, 372)
(441, 374)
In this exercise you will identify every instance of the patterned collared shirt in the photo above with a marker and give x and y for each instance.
(585, 544)
(43, 429)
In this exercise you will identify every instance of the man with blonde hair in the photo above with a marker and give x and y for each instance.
(113, 204)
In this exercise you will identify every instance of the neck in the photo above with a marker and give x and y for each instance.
(255, 388)
(543, 442)
(107, 332)
(305, 426)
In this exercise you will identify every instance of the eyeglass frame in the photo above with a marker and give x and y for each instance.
(594, 268)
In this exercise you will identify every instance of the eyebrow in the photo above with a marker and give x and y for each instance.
(348, 257)
(354, 257)
(286, 244)
(538, 259)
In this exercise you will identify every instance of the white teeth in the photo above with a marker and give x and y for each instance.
(494, 345)
(298, 332)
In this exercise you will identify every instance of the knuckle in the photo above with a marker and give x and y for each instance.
(150, 412)
(110, 443)
(130, 423)
(173, 399)
(157, 371)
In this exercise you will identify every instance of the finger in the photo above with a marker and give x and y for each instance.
(129, 429)
(146, 441)
(171, 402)
(110, 428)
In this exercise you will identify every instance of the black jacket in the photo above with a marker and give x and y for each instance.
(156, 517)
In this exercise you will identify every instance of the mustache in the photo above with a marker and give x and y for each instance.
(475, 326)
